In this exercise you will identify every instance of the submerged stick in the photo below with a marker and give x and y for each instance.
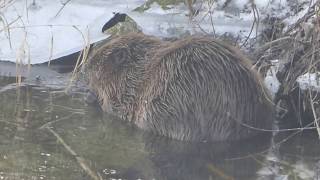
(79, 159)
(219, 172)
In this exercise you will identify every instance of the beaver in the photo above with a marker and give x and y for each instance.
(193, 89)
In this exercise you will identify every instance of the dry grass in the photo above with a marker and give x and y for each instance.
(82, 58)
(313, 102)
(298, 50)
(23, 51)
(210, 8)
(6, 28)
(256, 21)
(5, 3)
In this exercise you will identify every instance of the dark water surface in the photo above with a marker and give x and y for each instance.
(48, 134)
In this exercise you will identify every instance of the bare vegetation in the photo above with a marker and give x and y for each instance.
(296, 48)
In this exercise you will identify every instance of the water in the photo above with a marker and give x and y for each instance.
(48, 134)
(36, 120)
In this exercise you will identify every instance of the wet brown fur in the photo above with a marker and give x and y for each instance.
(194, 89)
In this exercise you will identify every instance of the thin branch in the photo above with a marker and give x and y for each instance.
(51, 47)
(314, 113)
(63, 5)
(6, 26)
(81, 161)
(82, 56)
(255, 21)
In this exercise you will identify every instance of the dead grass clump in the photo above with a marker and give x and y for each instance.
(298, 52)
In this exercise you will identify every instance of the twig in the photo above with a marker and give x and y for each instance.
(10, 123)
(43, 25)
(264, 164)
(79, 159)
(27, 11)
(6, 26)
(277, 144)
(314, 113)
(6, 4)
(83, 55)
(211, 20)
(226, 3)
(255, 21)
(51, 47)
(191, 10)
(63, 5)
(271, 44)
(308, 15)
(24, 48)
(282, 130)
(219, 172)
(47, 125)
(69, 108)
(203, 18)
(307, 127)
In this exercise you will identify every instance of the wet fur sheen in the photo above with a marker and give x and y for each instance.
(194, 89)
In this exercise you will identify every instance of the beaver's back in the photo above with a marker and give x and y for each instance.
(200, 89)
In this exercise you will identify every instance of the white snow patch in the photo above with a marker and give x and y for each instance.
(39, 32)
(260, 3)
(309, 80)
(156, 9)
(50, 35)
(271, 81)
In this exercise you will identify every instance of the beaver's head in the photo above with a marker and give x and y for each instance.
(116, 68)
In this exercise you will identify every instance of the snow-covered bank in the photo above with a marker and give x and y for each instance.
(47, 30)
(44, 32)
(40, 32)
